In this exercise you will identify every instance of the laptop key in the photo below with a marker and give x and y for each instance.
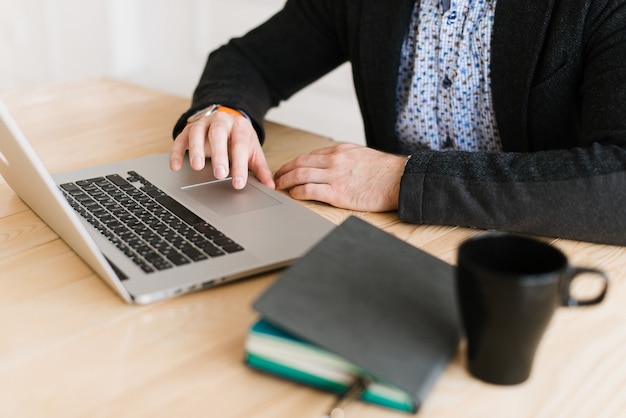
(179, 210)
(211, 250)
(232, 248)
(118, 180)
(70, 187)
(177, 258)
(193, 253)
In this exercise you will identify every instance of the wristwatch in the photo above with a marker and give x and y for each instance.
(203, 113)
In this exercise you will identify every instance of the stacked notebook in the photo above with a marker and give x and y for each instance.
(272, 350)
(360, 303)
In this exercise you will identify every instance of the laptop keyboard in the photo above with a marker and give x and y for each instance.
(152, 229)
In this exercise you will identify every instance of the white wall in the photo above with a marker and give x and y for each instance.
(161, 44)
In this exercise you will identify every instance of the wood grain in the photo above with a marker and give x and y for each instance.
(71, 348)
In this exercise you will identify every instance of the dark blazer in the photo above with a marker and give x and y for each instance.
(558, 71)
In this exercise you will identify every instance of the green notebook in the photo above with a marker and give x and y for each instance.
(274, 351)
(378, 303)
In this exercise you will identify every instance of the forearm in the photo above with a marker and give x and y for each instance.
(577, 193)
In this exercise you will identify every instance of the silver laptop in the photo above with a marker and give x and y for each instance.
(151, 233)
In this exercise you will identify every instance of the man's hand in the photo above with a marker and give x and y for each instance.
(225, 138)
(346, 176)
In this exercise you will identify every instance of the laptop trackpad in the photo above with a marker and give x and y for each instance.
(220, 197)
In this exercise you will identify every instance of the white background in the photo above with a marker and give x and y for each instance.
(160, 44)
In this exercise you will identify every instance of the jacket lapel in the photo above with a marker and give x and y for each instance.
(518, 33)
(380, 43)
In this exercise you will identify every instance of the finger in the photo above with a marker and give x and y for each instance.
(261, 170)
(253, 157)
(177, 153)
(313, 191)
(240, 154)
(197, 139)
(301, 176)
(309, 160)
(219, 133)
(247, 154)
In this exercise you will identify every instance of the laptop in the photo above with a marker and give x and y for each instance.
(151, 233)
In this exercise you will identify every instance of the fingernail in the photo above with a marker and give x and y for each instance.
(196, 161)
(220, 171)
(238, 182)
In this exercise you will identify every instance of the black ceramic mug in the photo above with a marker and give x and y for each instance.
(508, 288)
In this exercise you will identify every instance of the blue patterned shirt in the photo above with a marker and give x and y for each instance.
(444, 82)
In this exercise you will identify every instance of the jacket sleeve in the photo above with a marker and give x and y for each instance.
(576, 190)
(269, 64)
(578, 194)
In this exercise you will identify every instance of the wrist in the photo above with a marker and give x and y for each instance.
(207, 111)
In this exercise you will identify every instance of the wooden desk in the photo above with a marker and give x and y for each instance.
(69, 347)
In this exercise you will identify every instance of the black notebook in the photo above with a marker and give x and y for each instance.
(374, 300)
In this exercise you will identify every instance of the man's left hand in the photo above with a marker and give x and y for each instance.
(346, 176)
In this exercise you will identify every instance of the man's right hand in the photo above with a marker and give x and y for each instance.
(232, 144)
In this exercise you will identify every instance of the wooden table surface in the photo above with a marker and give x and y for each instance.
(70, 347)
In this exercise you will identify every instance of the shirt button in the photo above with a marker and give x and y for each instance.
(451, 17)
(447, 82)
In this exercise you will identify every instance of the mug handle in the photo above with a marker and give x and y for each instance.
(566, 297)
